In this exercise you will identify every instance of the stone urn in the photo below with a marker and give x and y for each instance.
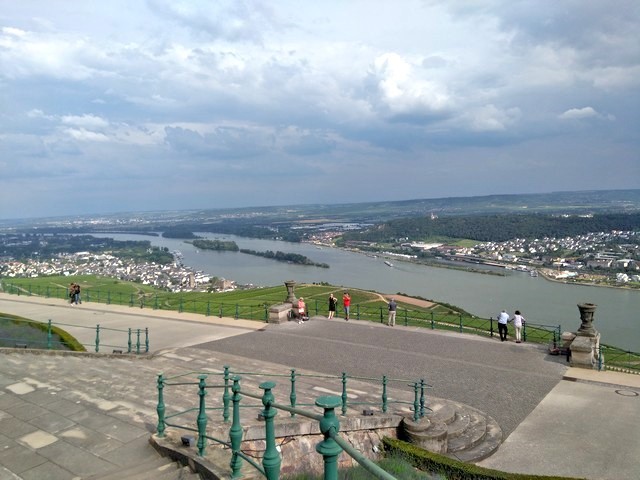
(291, 296)
(586, 316)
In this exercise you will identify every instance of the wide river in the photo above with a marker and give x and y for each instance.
(541, 301)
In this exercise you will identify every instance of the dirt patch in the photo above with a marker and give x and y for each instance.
(411, 301)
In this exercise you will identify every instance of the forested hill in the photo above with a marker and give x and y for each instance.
(497, 228)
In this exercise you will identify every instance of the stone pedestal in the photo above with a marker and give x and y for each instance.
(584, 352)
(585, 347)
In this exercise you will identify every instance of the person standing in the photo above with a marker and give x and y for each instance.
(346, 303)
(333, 302)
(302, 308)
(392, 313)
(503, 319)
(518, 321)
(77, 297)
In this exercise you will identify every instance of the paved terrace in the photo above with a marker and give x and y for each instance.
(69, 417)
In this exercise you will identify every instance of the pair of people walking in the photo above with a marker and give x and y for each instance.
(74, 294)
(518, 322)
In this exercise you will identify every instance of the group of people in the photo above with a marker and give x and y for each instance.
(517, 320)
(346, 304)
(74, 294)
(302, 313)
(503, 318)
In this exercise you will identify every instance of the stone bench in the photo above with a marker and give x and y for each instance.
(280, 313)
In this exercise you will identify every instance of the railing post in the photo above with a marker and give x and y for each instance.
(202, 416)
(235, 433)
(226, 396)
(49, 335)
(421, 397)
(208, 308)
(180, 306)
(416, 402)
(97, 338)
(381, 316)
(119, 298)
(406, 319)
(47, 294)
(432, 323)
(220, 315)
(358, 311)
(129, 343)
(146, 340)
(344, 393)
(292, 395)
(460, 321)
(329, 425)
(266, 314)
(138, 341)
(237, 312)
(160, 408)
(108, 297)
(600, 357)
(155, 303)
(131, 300)
(384, 394)
(271, 460)
(524, 331)
(491, 326)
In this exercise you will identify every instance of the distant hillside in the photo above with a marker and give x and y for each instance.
(497, 228)
(253, 221)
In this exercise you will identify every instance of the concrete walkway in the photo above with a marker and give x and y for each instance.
(67, 416)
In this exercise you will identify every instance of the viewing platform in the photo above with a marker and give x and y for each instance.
(91, 416)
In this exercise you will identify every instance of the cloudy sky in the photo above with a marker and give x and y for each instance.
(124, 105)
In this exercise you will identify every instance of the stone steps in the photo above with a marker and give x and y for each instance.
(455, 430)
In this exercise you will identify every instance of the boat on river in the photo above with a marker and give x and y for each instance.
(388, 264)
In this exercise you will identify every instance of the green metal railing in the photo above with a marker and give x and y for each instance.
(13, 333)
(451, 320)
(330, 448)
(612, 358)
(154, 301)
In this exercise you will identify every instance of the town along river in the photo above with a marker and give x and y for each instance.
(541, 301)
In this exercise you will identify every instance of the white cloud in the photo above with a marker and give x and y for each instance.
(447, 88)
(85, 121)
(402, 90)
(584, 113)
(83, 135)
(489, 118)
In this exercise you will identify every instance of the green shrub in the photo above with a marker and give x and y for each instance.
(449, 468)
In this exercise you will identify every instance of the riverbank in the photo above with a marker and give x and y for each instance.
(546, 274)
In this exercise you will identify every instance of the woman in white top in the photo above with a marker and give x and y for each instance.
(518, 320)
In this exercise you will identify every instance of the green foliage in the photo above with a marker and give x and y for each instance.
(279, 256)
(393, 464)
(22, 329)
(218, 245)
(449, 468)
